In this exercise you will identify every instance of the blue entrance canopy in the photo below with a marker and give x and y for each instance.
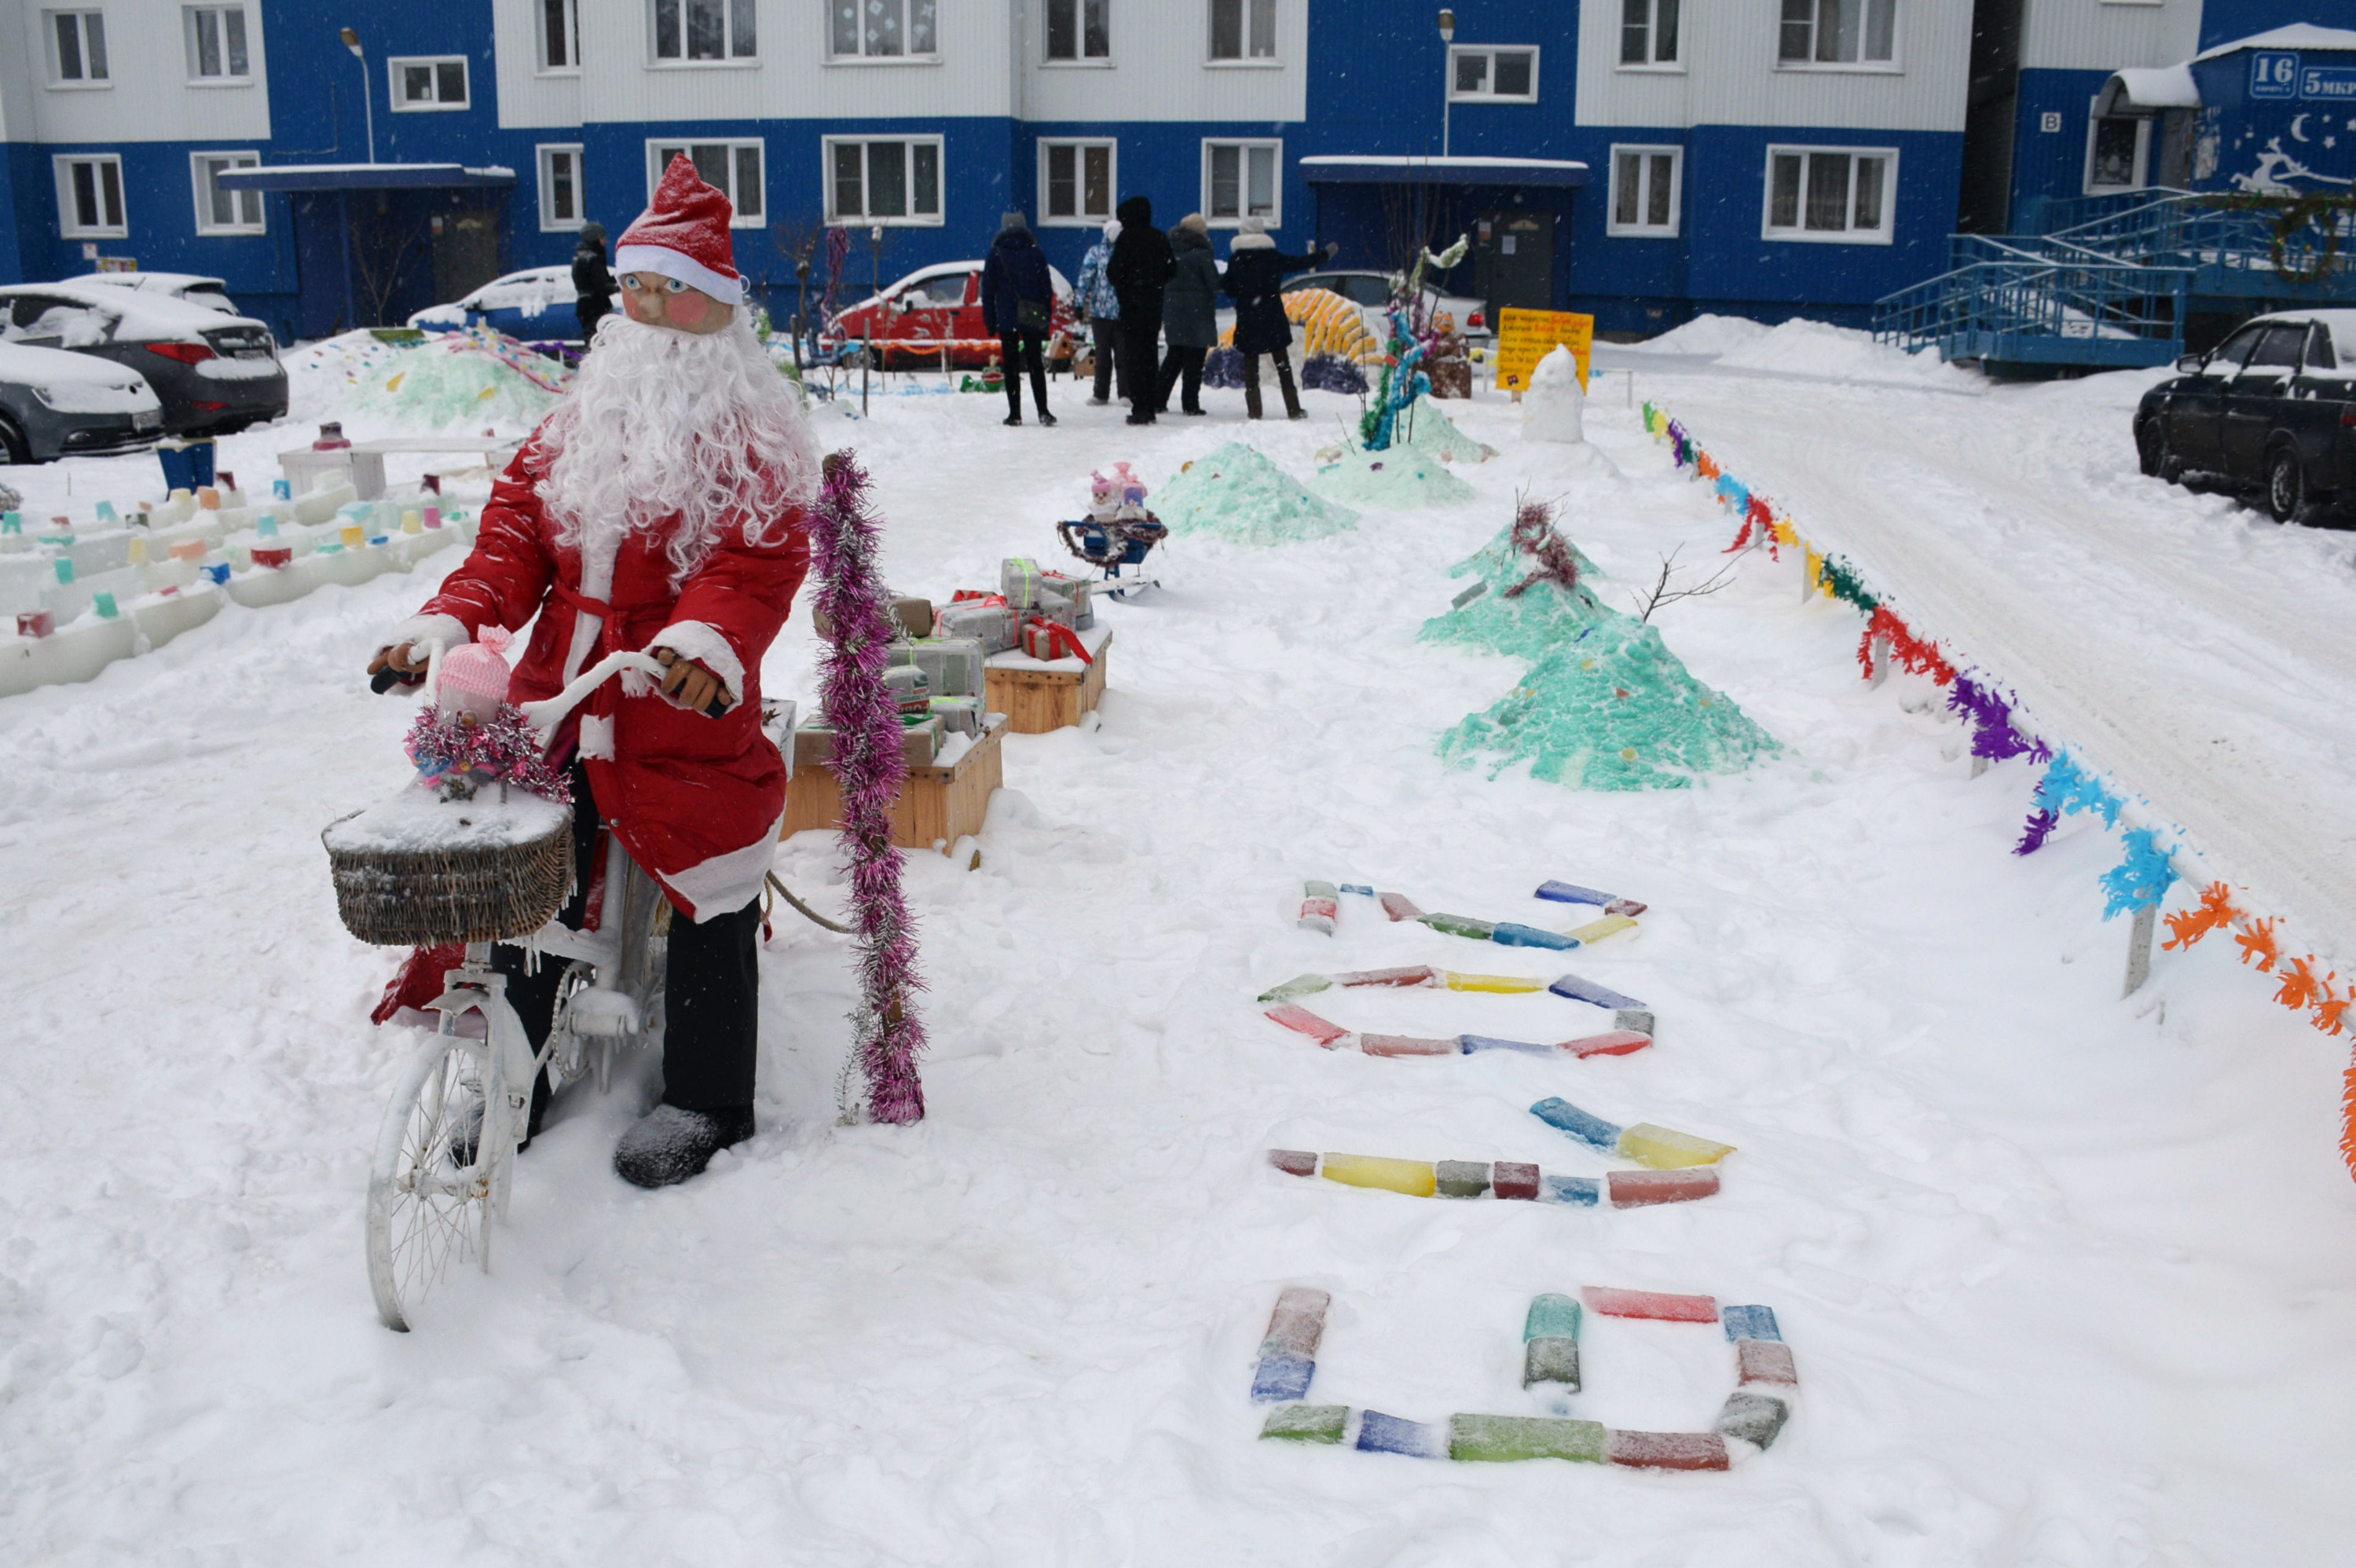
(361, 176)
(1409, 169)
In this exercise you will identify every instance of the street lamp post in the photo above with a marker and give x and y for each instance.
(1447, 36)
(367, 100)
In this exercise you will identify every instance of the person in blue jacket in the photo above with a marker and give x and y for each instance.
(1018, 305)
(1094, 297)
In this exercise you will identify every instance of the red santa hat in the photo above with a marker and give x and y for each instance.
(683, 234)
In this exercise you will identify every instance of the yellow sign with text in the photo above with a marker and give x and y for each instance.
(1525, 337)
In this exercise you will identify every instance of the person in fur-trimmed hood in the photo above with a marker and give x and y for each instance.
(659, 507)
(1255, 280)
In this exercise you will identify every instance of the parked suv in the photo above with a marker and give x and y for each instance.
(2272, 408)
(215, 374)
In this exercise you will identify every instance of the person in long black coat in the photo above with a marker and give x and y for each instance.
(591, 281)
(1189, 313)
(1140, 271)
(1254, 279)
(1018, 305)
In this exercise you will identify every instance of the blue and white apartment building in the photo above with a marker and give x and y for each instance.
(1642, 159)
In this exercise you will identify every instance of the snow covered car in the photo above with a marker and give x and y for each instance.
(193, 287)
(2272, 408)
(214, 375)
(1371, 292)
(534, 306)
(906, 322)
(53, 402)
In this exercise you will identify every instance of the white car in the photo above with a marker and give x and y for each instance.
(534, 306)
(193, 287)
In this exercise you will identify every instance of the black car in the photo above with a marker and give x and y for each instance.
(215, 374)
(53, 403)
(2272, 408)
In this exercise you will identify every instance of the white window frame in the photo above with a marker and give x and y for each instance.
(1641, 230)
(1815, 23)
(543, 157)
(1275, 215)
(571, 22)
(202, 188)
(1653, 60)
(1080, 146)
(1245, 61)
(660, 148)
(68, 228)
(908, 171)
(2143, 123)
(729, 59)
(85, 82)
(394, 65)
(1082, 60)
(1848, 236)
(188, 46)
(907, 25)
(1490, 94)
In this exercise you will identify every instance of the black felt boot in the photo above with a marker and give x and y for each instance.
(668, 1145)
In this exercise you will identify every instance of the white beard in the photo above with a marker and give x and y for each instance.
(661, 423)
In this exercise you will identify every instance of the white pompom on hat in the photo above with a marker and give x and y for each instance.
(1112, 228)
(683, 234)
(1252, 226)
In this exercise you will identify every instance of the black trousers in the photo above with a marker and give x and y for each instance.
(1186, 363)
(1111, 369)
(589, 311)
(711, 996)
(1032, 362)
(1140, 346)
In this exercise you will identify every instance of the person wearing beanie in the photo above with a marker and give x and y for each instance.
(1018, 306)
(1139, 270)
(658, 507)
(590, 281)
(1093, 295)
(1255, 281)
(1189, 313)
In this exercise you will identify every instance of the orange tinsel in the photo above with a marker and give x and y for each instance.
(1706, 465)
(2298, 984)
(2213, 913)
(2257, 939)
(2348, 1119)
(2330, 1005)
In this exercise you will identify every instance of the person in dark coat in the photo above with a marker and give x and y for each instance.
(1189, 311)
(591, 281)
(1018, 305)
(1255, 269)
(1140, 271)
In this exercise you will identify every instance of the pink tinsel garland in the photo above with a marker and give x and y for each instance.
(870, 767)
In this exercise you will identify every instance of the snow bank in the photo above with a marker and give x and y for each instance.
(1234, 493)
(1817, 349)
(1706, 334)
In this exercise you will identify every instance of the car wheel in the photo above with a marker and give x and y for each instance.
(13, 447)
(2285, 485)
(2152, 453)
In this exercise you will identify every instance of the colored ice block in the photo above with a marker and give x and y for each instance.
(136, 553)
(1664, 1149)
(1462, 1178)
(1405, 1046)
(64, 568)
(1552, 1316)
(1380, 1433)
(1299, 985)
(1399, 907)
(1510, 1178)
(266, 526)
(1316, 889)
(1765, 1362)
(1755, 1418)
(1580, 1190)
(1668, 1450)
(1307, 1423)
(1563, 1116)
(427, 523)
(1610, 1043)
(1749, 1323)
(1550, 1358)
(1297, 1323)
(1280, 1376)
(1504, 984)
(1359, 888)
(1294, 1162)
(36, 623)
(1636, 1189)
(1468, 1043)
(1508, 934)
(1624, 906)
(187, 550)
(1637, 1020)
(1459, 926)
(279, 557)
(1502, 1438)
(1414, 1177)
(1467, 594)
(106, 512)
(217, 573)
(1301, 1020)
(103, 603)
(1595, 931)
(1410, 974)
(1317, 915)
(281, 490)
(353, 535)
(12, 522)
(1651, 1303)
(1570, 893)
(1580, 990)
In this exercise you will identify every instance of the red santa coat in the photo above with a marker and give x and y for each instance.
(698, 801)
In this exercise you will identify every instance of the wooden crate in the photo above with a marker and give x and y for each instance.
(1037, 697)
(937, 803)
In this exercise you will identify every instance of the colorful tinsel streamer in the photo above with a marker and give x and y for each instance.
(870, 767)
(1993, 735)
(501, 749)
(1918, 654)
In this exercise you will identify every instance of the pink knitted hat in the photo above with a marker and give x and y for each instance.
(473, 678)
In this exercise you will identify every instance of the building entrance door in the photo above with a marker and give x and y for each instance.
(465, 250)
(1513, 260)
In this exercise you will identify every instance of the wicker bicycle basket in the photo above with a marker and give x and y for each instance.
(417, 896)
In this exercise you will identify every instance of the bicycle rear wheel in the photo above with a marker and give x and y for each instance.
(430, 1188)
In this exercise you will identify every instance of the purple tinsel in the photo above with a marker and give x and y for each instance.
(2034, 831)
(1993, 736)
(870, 767)
(462, 757)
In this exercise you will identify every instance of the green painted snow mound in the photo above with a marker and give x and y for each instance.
(1403, 477)
(434, 387)
(1234, 493)
(1430, 432)
(1529, 627)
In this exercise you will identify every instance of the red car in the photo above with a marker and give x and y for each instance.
(907, 323)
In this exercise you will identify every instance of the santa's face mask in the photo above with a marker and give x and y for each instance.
(667, 302)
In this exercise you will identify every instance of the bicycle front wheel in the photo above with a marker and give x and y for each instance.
(429, 1202)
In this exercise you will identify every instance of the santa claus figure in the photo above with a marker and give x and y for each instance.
(659, 507)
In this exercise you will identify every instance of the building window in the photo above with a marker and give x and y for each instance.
(1838, 32)
(1645, 191)
(1648, 32)
(733, 169)
(560, 36)
(77, 47)
(561, 201)
(90, 198)
(1080, 29)
(1496, 76)
(222, 211)
(693, 30)
(880, 29)
(421, 84)
(1243, 30)
(885, 181)
(215, 40)
(1830, 193)
(1075, 182)
(1239, 181)
(2114, 153)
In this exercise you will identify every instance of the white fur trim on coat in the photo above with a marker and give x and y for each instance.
(597, 736)
(703, 642)
(448, 630)
(726, 883)
(670, 263)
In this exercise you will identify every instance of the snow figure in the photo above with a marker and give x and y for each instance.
(1554, 408)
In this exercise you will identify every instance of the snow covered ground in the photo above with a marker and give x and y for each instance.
(2067, 1279)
